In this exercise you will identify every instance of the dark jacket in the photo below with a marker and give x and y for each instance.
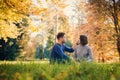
(58, 54)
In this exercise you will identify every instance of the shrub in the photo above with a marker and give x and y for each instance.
(73, 71)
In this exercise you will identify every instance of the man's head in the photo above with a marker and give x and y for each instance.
(61, 37)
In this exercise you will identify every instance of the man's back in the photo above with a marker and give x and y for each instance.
(83, 52)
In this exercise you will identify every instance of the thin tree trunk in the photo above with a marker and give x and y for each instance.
(118, 46)
(117, 29)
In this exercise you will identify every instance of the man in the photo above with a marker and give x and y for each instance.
(57, 54)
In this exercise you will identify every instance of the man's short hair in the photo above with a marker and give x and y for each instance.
(60, 35)
(83, 40)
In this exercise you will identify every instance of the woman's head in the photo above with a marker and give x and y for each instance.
(83, 40)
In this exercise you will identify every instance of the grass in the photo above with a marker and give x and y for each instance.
(69, 71)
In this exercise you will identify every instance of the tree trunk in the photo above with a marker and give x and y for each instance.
(118, 46)
(117, 29)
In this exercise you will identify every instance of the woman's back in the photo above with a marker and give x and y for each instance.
(83, 52)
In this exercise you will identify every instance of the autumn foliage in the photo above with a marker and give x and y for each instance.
(97, 19)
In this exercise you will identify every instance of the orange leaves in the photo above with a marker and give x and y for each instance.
(21, 6)
(37, 11)
(62, 5)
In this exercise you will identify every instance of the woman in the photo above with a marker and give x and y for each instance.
(83, 51)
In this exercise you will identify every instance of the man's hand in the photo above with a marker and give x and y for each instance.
(77, 43)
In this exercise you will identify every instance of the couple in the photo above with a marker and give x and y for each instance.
(81, 51)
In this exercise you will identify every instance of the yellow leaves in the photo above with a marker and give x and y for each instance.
(12, 11)
(54, 1)
(15, 10)
(8, 30)
(22, 5)
(17, 74)
(59, 3)
(113, 77)
(61, 76)
(43, 75)
(10, 16)
(35, 29)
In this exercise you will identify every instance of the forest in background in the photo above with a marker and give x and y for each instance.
(28, 27)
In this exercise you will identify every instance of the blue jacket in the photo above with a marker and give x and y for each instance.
(58, 54)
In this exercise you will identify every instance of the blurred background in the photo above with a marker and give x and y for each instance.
(28, 27)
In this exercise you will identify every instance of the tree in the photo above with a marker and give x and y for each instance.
(50, 44)
(15, 24)
(109, 10)
(10, 49)
(12, 11)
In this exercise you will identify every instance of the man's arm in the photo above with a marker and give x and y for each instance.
(59, 51)
(68, 49)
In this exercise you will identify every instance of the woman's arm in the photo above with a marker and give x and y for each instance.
(75, 53)
(91, 58)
